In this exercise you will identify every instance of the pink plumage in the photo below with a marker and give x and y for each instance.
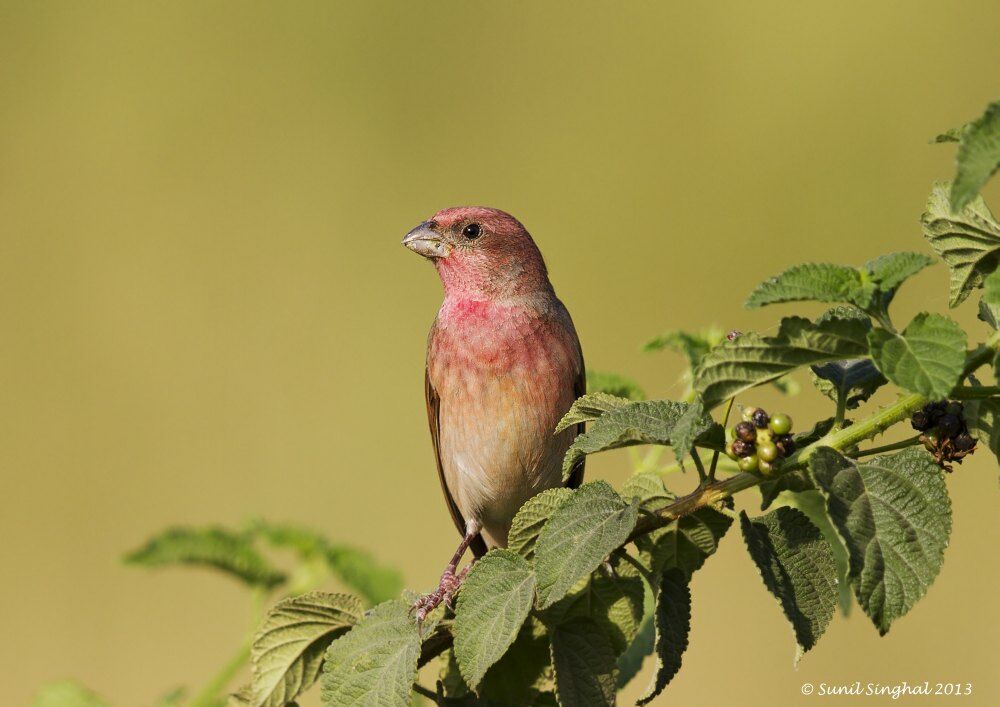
(503, 366)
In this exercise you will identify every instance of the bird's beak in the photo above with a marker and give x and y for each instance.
(425, 241)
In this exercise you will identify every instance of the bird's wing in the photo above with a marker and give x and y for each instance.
(478, 545)
(579, 389)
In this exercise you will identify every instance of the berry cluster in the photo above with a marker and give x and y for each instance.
(760, 441)
(945, 434)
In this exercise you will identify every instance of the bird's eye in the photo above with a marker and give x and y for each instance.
(473, 230)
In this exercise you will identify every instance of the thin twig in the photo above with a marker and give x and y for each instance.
(902, 444)
(715, 454)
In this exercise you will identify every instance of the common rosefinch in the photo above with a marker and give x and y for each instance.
(503, 366)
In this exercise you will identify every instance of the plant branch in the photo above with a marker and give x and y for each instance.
(976, 392)
(902, 444)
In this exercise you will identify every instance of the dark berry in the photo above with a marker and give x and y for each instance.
(921, 420)
(748, 413)
(964, 442)
(955, 408)
(741, 448)
(785, 445)
(950, 425)
(745, 431)
(760, 418)
(931, 440)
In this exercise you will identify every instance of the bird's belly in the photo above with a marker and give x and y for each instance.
(498, 450)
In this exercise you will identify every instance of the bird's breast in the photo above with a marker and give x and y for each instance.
(504, 375)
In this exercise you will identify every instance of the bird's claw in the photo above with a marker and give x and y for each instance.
(444, 594)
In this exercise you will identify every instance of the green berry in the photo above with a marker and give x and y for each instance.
(729, 451)
(767, 451)
(749, 463)
(765, 468)
(748, 414)
(764, 435)
(781, 424)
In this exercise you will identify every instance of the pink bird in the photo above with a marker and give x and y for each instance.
(503, 366)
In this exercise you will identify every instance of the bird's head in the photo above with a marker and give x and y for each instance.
(480, 252)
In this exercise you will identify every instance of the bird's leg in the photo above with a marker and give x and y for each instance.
(450, 580)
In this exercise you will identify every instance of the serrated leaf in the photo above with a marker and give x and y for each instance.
(978, 156)
(648, 490)
(927, 358)
(375, 663)
(813, 505)
(530, 519)
(692, 345)
(613, 384)
(854, 379)
(584, 665)
(643, 422)
(577, 538)
(450, 679)
(692, 423)
(889, 271)
(518, 677)
(287, 652)
(751, 359)
(218, 548)
(969, 242)
(982, 417)
(356, 568)
(630, 662)
(673, 624)
(493, 603)
(67, 693)
(685, 543)
(793, 481)
(588, 408)
(894, 516)
(817, 282)
(798, 568)
(991, 290)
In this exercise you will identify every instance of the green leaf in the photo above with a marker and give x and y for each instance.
(616, 604)
(647, 489)
(991, 295)
(219, 548)
(751, 359)
(530, 519)
(375, 663)
(978, 156)
(589, 407)
(685, 543)
(927, 358)
(643, 422)
(450, 677)
(630, 662)
(894, 516)
(793, 481)
(982, 417)
(690, 426)
(889, 271)
(969, 242)
(356, 568)
(523, 672)
(813, 504)
(584, 664)
(577, 538)
(854, 379)
(952, 135)
(287, 653)
(613, 384)
(693, 346)
(67, 693)
(818, 282)
(493, 603)
(798, 568)
(673, 624)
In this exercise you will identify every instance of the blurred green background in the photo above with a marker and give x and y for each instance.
(207, 315)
